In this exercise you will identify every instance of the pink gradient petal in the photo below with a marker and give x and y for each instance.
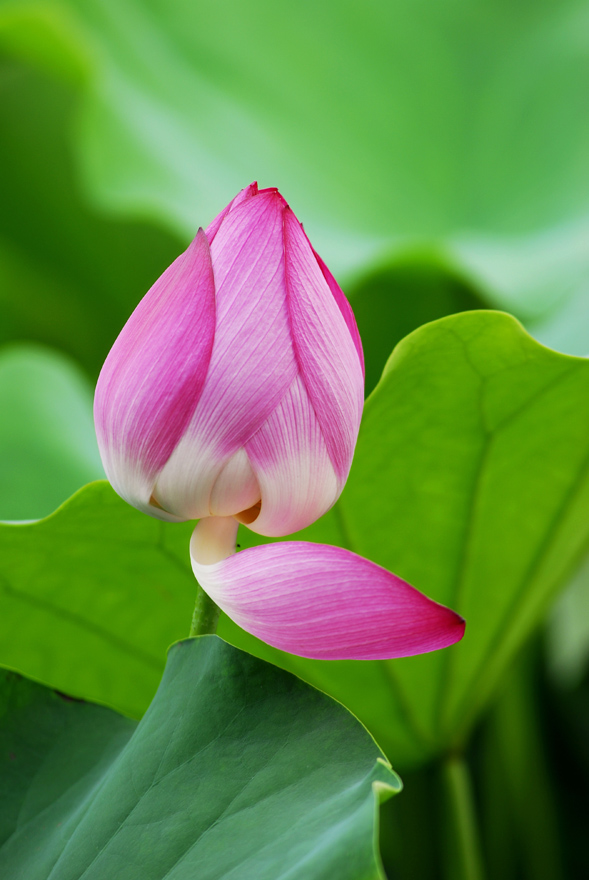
(344, 307)
(326, 603)
(294, 471)
(326, 352)
(253, 362)
(241, 196)
(154, 375)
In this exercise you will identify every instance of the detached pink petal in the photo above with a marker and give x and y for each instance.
(326, 603)
(154, 376)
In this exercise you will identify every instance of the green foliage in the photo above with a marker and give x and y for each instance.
(237, 769)
(397, 122)
(92, 596)
(521, 820)
(438, 154)
(470, 480)
(69, 276)
(47, 442)
(400, 295)
(568, 632)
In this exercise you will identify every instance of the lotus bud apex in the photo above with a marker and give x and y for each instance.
(236, 386)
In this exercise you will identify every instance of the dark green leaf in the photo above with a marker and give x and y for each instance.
(238, 769)
(519, 797)
(398, 297)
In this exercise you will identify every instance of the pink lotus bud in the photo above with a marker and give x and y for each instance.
(236, 386)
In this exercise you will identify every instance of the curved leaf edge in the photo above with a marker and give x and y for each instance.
(482, 317)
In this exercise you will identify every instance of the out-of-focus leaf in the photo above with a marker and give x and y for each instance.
(406, 823)
(566, 329)
(471, 481)
(400, 296)
(520, 820)
(237, 769)
(47, 442)
(566, 716)
(69, 277)
(91, 597)
(568, 632)
(392, 123)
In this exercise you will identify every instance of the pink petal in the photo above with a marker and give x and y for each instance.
(326, 603)
(252, 364)
(344, 307)
(154, 375)
(293, 468)
(325, 350)
(241, 196)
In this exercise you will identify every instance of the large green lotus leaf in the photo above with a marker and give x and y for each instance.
(47, 443)
(238, 769)
(92, 596)
(471, 481)
(394, 122)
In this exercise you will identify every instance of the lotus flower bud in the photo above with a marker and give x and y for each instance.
(236, 386)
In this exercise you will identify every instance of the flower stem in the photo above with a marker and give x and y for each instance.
(213, 540)
(463, 856)
(206, 614)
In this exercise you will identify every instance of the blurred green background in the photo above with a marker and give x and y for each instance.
(438, 155)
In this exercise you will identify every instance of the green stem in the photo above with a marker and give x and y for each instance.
(206, 614)
(464, 860)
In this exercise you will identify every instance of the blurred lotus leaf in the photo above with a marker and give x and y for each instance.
(47, 442)
(445, 124)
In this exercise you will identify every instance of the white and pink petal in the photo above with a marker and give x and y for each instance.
(326, 352)
(154, 376)
(326, 603)
(295, 474)
(344, 307)
(253, 362)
